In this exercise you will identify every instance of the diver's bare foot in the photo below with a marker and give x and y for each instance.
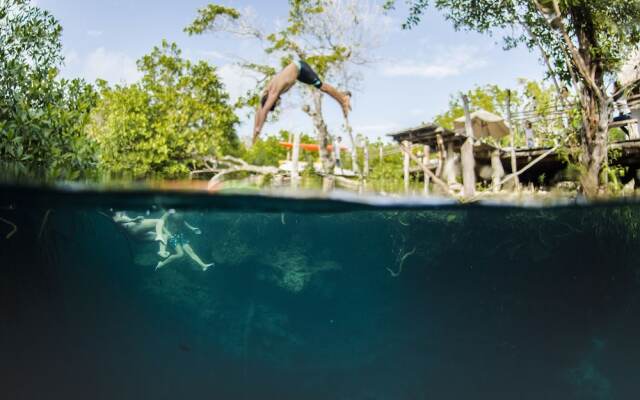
(207, 266)
(159, 266)
(346, 104)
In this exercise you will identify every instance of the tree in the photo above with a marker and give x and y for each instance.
(167, 123)
(42, 117)
(334, 36)
(582, 42)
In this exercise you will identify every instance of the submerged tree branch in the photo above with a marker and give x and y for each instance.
(397, 273)
(13, 226)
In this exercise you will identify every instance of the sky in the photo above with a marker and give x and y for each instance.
(417, 73)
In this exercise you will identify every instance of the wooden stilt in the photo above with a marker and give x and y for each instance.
(425, 164)
(497, 170)
(514, 164)
(295, 156)
(407, 165)
(466, 152)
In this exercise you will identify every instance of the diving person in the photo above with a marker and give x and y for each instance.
(284, 80)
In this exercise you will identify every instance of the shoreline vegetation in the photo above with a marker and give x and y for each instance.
(179, 123)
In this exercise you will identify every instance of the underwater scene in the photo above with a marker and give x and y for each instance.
(164, 296)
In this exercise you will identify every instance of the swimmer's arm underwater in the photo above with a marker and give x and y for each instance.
(193, 229)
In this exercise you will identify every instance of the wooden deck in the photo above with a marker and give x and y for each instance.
(550, 166)
(437, 138)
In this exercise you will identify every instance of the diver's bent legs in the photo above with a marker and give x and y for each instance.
(189, 250)
(179, 254)
(343, 99)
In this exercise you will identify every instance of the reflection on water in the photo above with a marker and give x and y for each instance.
(315, 299)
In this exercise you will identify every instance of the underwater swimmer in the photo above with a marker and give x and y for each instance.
(283, 81)
(139, 227)
(170, 234)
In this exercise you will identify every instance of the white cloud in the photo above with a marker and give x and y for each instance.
(237, 80)
(214, 55)
(71, 59)
(94, 33)
(444, 63)
(113, 66)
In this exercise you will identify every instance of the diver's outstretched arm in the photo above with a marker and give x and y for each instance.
(261, 114)
(189, 250)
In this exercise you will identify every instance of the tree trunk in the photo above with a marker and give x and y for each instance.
(321, 130)
(593, 97)
(594, 144)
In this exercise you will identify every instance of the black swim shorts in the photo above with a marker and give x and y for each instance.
(308, 75)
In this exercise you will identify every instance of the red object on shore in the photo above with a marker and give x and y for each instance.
(309, 146)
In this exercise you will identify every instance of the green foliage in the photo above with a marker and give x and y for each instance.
(268, 151)
(164, 125)
(390, 168)
(42, 117)
(615, 173)
(207, 17)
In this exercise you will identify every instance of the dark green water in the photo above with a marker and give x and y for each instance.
(489, 302)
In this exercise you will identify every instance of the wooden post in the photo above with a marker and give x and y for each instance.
(289, 150)
(354, 161)
(468, 162)
(295, 156)
(514, 164)
(407, 165)
(498, 170)
(442, 155)
(354, 148)
(426, 163)
(436, 180)
(450, 169)
(366, 158)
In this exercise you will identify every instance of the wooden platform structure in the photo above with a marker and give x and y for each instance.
(443, 140)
